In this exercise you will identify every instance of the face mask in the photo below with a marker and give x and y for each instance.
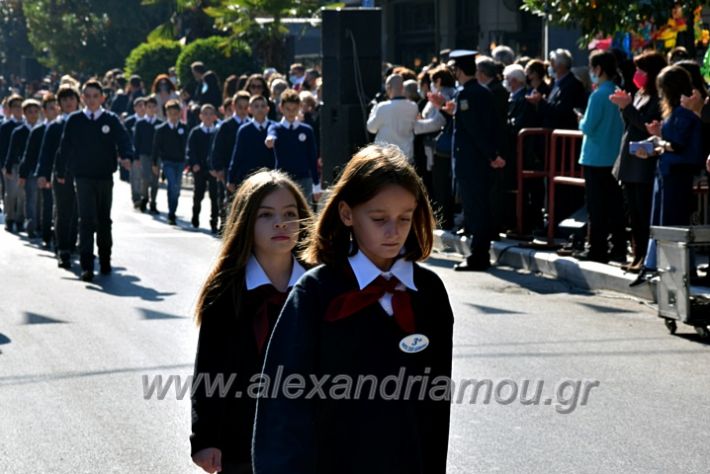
(294, 79)
(594, 78)
(640, 79)
(551, 72)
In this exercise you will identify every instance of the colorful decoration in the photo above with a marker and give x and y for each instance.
(706, 65)
(668, 33)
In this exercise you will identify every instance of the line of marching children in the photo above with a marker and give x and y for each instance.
(58, 162)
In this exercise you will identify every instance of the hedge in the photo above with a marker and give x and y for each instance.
(153, 58)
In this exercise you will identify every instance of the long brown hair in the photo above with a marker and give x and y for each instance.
(238, 237)
(371, 169)
(672, 83)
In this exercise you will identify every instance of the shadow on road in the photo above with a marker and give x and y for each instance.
(125, 285)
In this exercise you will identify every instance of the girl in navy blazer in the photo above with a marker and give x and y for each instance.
(237, 307)
(368, 332)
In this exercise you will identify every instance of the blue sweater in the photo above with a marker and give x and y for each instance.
(602, 127)
(250, 153)
(684, 130)
(143, 132)
(199, 144)
(90, 149)
(18, 142)
(5, 132)
(224, 143)
(31, 155)
(50, 145)
(295, 150)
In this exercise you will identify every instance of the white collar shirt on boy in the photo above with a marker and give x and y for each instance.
(290, 125)
(366, 272)
(256, 276)
(260, 125)
(96, 114)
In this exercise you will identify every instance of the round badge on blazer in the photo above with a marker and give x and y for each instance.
(105, 129)
(301, 137)
(464, 105)
(181, 131)
(414, 343)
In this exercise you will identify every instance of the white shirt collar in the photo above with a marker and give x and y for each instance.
(260, 125)
(366, 272)
(38, 124)
(97, 114)
(207, 129)
(256, 276)
(239, 120)
(296, 123)
(172, 127)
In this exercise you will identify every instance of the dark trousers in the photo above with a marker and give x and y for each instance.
(46, 205)
(204, 181)
(638, 198)
(224, 197)
(94, 197)
(442, 193)
(65, 217)
(605, 204)
(475, 190)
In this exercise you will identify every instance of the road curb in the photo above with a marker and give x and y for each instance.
(586, 275)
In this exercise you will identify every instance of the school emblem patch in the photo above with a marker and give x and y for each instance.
(464, 105)
(413, 343)
(181, 131)
(301, 137)
(105, 129)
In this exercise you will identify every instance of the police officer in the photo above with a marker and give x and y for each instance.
(474, 154)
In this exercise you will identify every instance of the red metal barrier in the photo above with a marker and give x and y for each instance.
(524, 174)
(564, 169)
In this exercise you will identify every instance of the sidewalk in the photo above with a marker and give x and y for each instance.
(586, 275)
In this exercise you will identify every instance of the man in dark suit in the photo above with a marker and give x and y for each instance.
(208, 90)
(567, 94)
(474, 152)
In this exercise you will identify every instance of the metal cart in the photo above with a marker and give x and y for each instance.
(678, 300)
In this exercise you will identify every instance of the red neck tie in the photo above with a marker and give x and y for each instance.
(351, 302)
(271, 298)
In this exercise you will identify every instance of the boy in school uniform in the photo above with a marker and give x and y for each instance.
(144, 184)
(294, 146)
(38, 205)
(15, 193)
(199, 144)
(224, 145)
(130, 122)
(64, 196)
(13, 119)
(169, 151)
(92, 142)
(250, 150)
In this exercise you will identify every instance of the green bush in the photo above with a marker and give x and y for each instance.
(211, 51)
(150, 59)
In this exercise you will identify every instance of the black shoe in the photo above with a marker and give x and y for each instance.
(31, 235)
(586, 255)
(154, 209)
(87, 275)
(215, 230)
(143, 205)
(64, 262)
(470, 266)
(195, 222)
(645, 276)
(172, 221)
(105, 268)
(9, 226)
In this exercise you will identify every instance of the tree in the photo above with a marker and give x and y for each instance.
(14, 43)
(150, 59)
(88, 36)
(185, 19)
(606, 17)
(237, 60)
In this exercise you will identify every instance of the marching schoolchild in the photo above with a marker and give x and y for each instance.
(294, 146)
(38, 202)
(237, 307)
(250, 150)
(93, 141)
(129, 122)
(224, 145)
(64, 196)
(13, 119)
(368, 314)
(15, 195)
(169, 144)
(145, 184)
(199, 144)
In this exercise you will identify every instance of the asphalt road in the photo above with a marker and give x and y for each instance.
(74, 356)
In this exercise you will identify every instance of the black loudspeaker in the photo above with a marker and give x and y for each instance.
(342, 134)
(352, 76)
